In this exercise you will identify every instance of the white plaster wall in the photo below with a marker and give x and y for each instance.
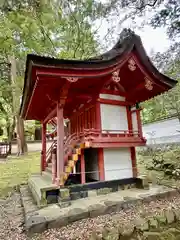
(117, 163)
(133, 108)
(134, 121)
(111, 97)
(113, 117)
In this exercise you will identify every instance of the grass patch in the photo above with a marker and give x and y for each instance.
(170, 156)
(16, 171)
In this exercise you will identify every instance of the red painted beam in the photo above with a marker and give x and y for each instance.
(117, 144)
(120, 140)
(112, 92)
(113, 102)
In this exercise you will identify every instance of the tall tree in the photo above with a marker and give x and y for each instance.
(55, 28)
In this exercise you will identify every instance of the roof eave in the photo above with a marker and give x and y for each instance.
(27, 80)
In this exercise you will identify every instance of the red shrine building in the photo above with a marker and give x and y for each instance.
(99, 99)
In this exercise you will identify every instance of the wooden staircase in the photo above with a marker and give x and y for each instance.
(72, 151)
(70, 162)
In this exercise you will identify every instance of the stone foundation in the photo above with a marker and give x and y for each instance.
(55, 216)
(102, 188)
(46, 193)
(142, 228)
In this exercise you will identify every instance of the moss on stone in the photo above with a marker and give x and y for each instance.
(64, 193)
(103, 191)
(153, 223)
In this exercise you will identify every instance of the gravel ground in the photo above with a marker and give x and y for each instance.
(11, 218)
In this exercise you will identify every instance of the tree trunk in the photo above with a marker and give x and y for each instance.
(21, 141)
(10, 132)
(38, 133)
(178, 116)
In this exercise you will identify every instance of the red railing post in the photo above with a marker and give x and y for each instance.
(83, 176)
(43, 152)
(54, 166)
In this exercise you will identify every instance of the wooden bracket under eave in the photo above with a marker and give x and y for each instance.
(63, 93)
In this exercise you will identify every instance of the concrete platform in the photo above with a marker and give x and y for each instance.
(41, 188)
(44, 192)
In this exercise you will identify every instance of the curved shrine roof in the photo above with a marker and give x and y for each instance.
(126, 65)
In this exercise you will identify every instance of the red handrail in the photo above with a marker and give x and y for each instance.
(90, 134)
(49, 151)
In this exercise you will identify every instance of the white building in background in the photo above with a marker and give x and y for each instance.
(164, 131)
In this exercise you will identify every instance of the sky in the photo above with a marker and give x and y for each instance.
(154, 40)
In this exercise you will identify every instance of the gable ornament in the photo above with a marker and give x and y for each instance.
(72, 79)
(148, 84)
(115, 76)
(131, 64)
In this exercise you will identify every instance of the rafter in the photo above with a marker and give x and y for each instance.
(117, 84)
(50, 115)
(146, 74)
(140, 87)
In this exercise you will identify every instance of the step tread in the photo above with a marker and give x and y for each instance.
(40, 182)
(39, 186)
(49, 169)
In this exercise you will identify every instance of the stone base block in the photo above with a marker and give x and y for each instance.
(64, 194)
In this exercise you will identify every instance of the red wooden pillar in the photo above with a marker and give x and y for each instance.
(98, 116)
(100, 150)
(139, 122)
(88, 119)
(60, 142)
(77, 124)
(72, 125)
(129, 119)
(85, 119)
(83, 176)
(91, 117)
(101, 164)
(69, 128)
(43, 153)
(132, 149)
(133, 158)
(54, 166)
(80, 123)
